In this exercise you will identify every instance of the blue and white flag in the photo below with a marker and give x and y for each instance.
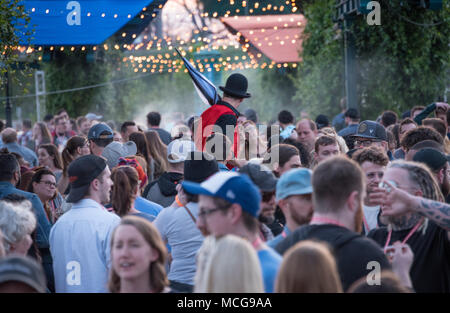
(206, 90)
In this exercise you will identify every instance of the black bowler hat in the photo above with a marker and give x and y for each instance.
(236, 86)
(82, 172)
(199, 166)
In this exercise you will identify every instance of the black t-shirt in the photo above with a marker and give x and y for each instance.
(352, 251)
(430, 271)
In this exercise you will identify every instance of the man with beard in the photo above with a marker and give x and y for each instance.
(294, 197)
(338, 185)
(415, 220)
(266, 182)
(373, 162)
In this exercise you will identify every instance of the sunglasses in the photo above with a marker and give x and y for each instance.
(267, 195)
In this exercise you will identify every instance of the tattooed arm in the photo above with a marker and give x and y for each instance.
(438, 212)
(398, 202)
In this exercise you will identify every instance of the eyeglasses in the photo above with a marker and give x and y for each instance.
(267, 195)
(365, 143)
(49, 183)
(203, 213)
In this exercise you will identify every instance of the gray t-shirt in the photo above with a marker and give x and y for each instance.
(179, 230)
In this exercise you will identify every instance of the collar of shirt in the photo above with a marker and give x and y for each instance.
(221, 102)
(88, 203)
(6, 184)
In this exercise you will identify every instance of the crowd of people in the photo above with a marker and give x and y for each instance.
(222, 203)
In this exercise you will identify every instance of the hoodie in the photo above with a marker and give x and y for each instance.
(163, 190)
(353, 252)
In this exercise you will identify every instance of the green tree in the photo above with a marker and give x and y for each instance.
(12, 14)
(399, 63)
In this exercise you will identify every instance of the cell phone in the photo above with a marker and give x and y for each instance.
(386, 186)
(389, 251)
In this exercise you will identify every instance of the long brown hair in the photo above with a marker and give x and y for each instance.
(53, 152)
(46, 136)
(158, 150)
(126, 182)
(158, 277)
(308, 267)
(142, 148)
(68, 154)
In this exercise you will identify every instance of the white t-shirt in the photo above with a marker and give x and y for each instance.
(371, 216)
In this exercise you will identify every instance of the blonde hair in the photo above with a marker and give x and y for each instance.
(16, 221)
(308, 267)
(228, 265)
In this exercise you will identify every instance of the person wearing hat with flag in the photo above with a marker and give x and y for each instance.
(223, 113)
(80, 239)
(229, 203)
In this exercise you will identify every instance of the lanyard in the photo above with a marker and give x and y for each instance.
(407, 236)
(257, 242)
(326, 220)
(366, 225)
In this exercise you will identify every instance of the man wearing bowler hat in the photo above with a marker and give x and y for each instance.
(224, 113)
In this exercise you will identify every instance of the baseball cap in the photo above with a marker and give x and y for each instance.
(371, 130)
(93, 116)
(230, 186)
(199, 166)
(23, 269)
(96, 130)
(294, 182)
(260, 175)
(115, 150)
(82, 172)
(179, 149)
(434, 159)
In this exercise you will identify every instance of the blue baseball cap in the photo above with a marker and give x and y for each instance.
(95, 132)
(294, 182)
(230, 186)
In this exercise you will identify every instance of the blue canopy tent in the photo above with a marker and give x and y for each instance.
(81, 23)
(86, 22)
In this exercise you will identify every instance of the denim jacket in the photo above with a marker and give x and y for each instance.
(43, 225)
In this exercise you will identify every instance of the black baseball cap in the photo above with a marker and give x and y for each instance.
(23, 269)
(261, 176)
(371, 130)
(434, 159)
(82, 172)
(199, 166)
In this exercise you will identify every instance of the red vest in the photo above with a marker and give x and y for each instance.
(206, 122)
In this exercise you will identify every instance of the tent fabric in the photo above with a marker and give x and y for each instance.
(279, 37)
(82, 22)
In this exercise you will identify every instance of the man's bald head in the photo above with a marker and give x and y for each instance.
(9, 135)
